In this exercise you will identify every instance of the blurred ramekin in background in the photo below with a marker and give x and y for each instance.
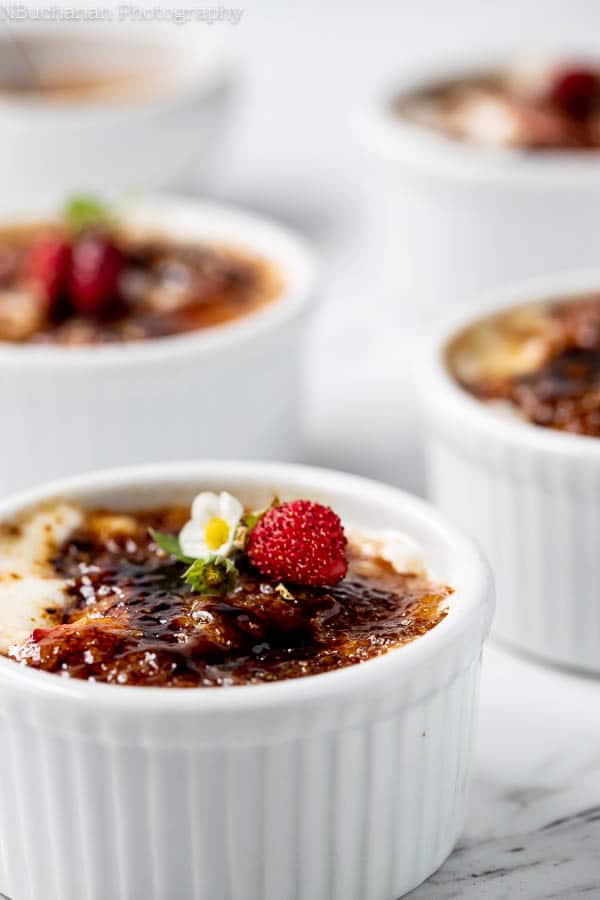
(151, 111)
(350, 784)
(457, 218)
(528, 494)
(223, 391)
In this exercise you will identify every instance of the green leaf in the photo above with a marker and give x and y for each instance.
(251, 519)
(170, 544)
(85, 211)
(214, 575)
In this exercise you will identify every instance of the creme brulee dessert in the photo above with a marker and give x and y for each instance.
(219, 595)
(541, 361)
(90, 279)
(531, 106)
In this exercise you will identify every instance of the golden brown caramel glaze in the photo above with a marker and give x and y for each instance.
(563, 390)
(503, 109)
(78, 88)
(133, 620)
(166, 288)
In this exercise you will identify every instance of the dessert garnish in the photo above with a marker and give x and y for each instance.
(575, 91)
(161, 597)
(47, 267)
(205, 542)
(90, 278)
(301, 541)
(84, 266)
(212, 527)
(84, 212)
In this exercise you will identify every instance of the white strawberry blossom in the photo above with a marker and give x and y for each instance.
(212, 528)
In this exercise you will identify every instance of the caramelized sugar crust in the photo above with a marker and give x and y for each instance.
(167, 288)
(505, 108)
(543, 361)
(132, 620)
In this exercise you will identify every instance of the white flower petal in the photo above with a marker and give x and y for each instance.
(205, 506)
(191, 538)
(230, 508)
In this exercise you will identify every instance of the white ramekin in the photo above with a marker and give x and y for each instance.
(224, 391)
(529, 495)
(458, 219)
(350, 784)
(169, 137)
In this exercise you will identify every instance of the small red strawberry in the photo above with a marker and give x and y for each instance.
(95, 274)
(575, 91)
(47, 265)
(302, 542)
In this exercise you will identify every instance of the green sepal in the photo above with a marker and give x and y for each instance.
(213, 575)
(84, 211)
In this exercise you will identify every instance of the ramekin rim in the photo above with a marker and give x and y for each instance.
(399, 140)
(374, 671)
(437, 383)
(299, 273)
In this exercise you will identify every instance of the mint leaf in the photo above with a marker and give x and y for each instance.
(214, 575)
(84, 211)
(170, 544)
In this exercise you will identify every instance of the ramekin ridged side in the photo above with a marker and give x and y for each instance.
(226, 391)
(350, 785)
(529, 495)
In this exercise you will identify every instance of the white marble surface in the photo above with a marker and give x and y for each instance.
(533, 830)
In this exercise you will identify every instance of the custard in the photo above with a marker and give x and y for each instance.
(540, 361)
(116, 608)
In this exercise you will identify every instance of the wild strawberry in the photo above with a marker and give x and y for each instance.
(575, 91)
(302, 542)
(95, 273)
(47, 265)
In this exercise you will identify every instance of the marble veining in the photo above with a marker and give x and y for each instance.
(533, 831)
(561, 860)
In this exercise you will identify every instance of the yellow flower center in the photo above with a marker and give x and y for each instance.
(216, 533)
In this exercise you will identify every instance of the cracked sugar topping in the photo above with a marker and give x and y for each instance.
(534, 105)
(540, 362)
(90, 279)
(126, 605)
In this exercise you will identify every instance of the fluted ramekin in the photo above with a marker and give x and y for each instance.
(459, 219)
(350, 784)
(529, 495)
(223, 391)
